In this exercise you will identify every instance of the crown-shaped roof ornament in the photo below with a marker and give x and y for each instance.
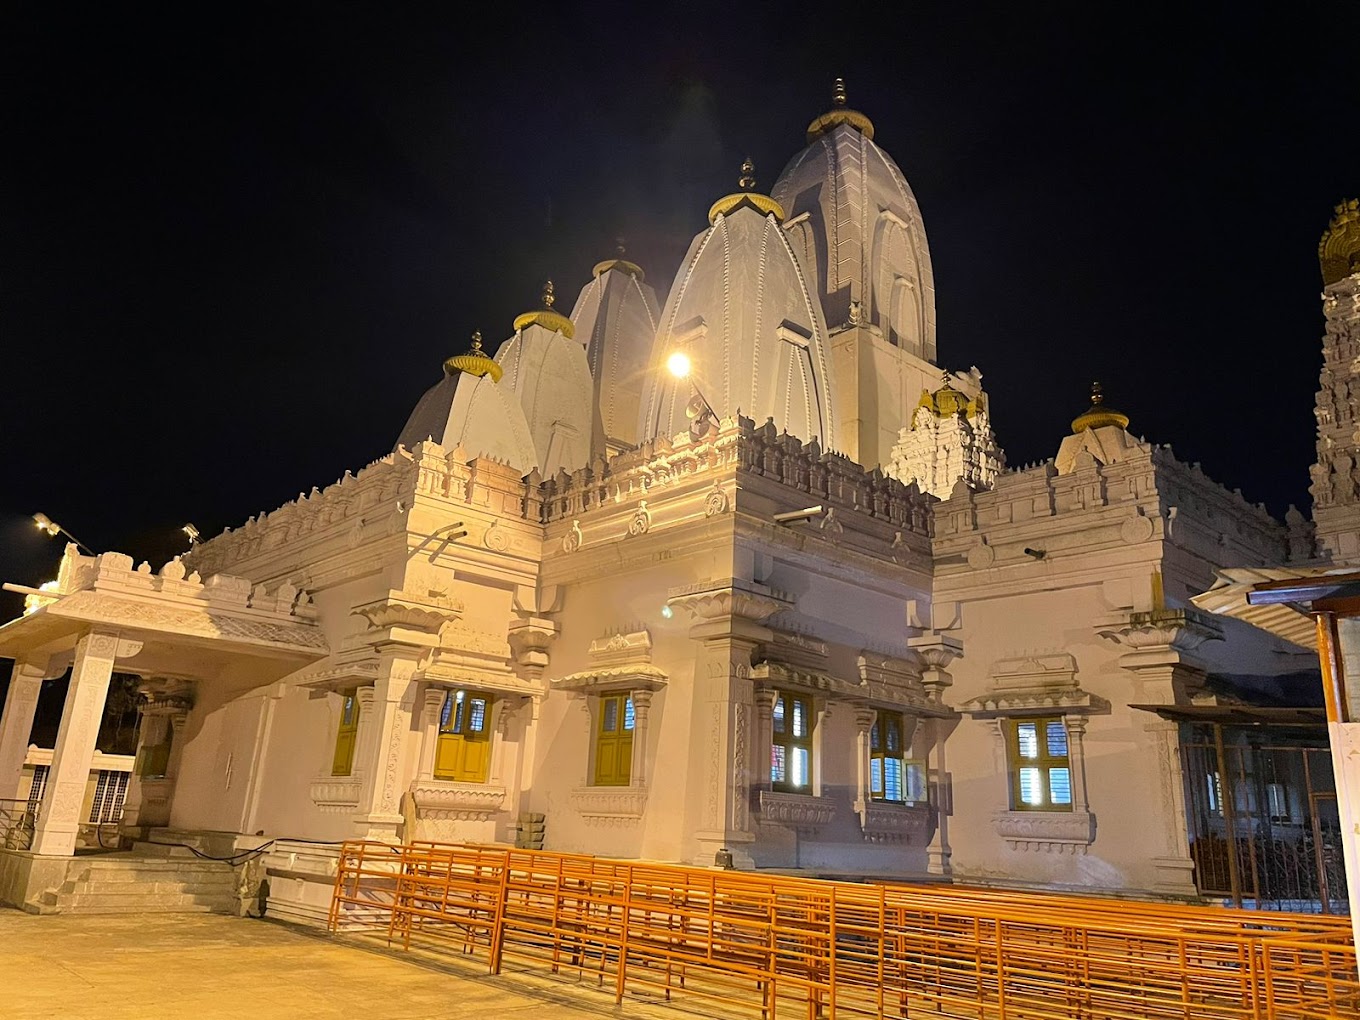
(620, 263)
(547, 316)
(474, 362)
(839, 114)
(763, 204)
(1098, 415)
(1339, 250)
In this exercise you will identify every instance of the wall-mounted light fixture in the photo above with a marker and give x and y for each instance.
(54, 529)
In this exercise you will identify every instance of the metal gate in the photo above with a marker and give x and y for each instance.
(1263, 823)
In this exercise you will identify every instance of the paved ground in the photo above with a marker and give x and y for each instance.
(210, 967)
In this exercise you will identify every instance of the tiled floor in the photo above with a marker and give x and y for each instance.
(211, 967)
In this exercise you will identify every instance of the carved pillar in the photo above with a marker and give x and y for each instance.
(642, 705)
(763, 779)
(1160, 644)
(402, 633)
(16, 724)
(59, 818)
(864, 721)
(937, 651)
(1076, 756)
(160, 748)
(429, 729)
(728, 615)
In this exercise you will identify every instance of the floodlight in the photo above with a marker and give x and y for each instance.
(678, 365)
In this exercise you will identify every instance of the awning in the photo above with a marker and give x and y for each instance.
(1239, 715)
(1228, 597)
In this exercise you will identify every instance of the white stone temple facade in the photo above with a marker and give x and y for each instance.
(787, 602)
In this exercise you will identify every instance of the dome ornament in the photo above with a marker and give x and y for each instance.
(620, 263)
(547, 316)
(1098, 415)
(1339, 250)
(762, 204)
(474, 362)
(839, 114)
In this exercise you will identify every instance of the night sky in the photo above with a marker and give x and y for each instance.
(237, 245)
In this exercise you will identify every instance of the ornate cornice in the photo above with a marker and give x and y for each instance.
(613, 678)
(729, 597)
(1028, 684)
(1180, 630)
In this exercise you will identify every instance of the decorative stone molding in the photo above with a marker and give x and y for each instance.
(799, 811)
(617, 647)
(529, 639)
(727, 597)
(610, 805)
(1060, 832)
(882, 822)
(401, 611)
(613, 678)
(1031, 684)
(337, 794)
(442, 800)
(1180, 630)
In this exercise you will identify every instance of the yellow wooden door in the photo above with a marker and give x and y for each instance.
(463, 752)
(614, 741)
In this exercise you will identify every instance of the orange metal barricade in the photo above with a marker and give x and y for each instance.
(743, 944)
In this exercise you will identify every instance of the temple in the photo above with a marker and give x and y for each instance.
(736, 572)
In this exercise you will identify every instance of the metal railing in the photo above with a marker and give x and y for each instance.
(16, 824)
(739, 944)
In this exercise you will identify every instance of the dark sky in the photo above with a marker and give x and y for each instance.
(236, 245)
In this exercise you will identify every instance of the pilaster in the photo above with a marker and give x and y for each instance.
(728, 617)
(937, 651)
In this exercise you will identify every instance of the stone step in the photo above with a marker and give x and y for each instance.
(149, 888)
(166, 901)
(130, 872)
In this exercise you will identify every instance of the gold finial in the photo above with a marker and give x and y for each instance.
(547, 317)
(474, 362)
(839, 114)
(1098, 415)
(748, 169)
(620, 263)
(1339, 250)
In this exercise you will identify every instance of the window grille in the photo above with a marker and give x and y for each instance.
(109, 792)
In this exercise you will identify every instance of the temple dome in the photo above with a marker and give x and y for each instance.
(617, 315)
(545, 368)
(857, 227)
(742, 312)
(470, 407)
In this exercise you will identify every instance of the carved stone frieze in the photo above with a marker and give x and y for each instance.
(619, 805)
(882, 822)
(440, 799)
(637, 677)
(1060, 832)
(802, 812)
(337, 794)
(1044, 681)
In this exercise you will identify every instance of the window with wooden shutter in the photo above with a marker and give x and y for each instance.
(791, 743)
(463, 750)
(614, 740)
(1041, 772)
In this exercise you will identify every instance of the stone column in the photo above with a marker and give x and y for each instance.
(1076, 759)
(728, 615)
(864, 721)
(16, 724)
(59, 819)
(429, 729)
(1160, 643)
(642, 706)
(165, 709)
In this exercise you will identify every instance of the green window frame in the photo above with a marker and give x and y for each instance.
(792, 723)
(1040, 765)
(614, 740)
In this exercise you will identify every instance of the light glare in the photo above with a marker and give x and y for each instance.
(678, 364)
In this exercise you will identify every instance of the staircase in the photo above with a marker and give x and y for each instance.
(148, 879)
